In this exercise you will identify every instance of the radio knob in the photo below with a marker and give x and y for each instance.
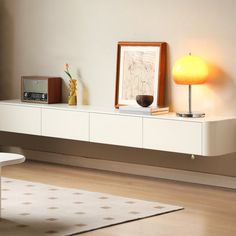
(26, 95)
(43, 96)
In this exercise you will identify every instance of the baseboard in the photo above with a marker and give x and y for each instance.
(135, 169)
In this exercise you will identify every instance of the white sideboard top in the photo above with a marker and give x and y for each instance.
(113, 111)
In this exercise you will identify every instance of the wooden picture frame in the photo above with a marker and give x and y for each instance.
(141, 69)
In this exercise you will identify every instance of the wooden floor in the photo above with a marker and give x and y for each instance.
(208, 210)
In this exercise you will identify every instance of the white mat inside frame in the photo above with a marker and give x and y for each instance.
(31, 208)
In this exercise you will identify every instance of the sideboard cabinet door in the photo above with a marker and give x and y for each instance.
(20, 119)
(65, 124)
(172, 135)
(116, 129)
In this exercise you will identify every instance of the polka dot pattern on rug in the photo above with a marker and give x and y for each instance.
(37, 209)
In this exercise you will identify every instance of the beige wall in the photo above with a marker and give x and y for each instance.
(39, 36)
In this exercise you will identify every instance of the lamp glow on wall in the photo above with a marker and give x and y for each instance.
(190, 70)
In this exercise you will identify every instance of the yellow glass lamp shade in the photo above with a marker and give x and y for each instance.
(190, 70)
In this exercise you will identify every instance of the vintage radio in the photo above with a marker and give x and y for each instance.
(41, 89)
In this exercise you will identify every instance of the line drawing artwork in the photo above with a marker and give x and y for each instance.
(140, 70)
(138, 74)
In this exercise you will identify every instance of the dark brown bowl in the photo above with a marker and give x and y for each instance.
(144, 100)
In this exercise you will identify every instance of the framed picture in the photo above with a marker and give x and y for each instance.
(140, 70)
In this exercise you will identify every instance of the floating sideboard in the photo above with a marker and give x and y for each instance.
(209, 136)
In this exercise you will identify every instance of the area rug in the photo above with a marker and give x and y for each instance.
(30, 208)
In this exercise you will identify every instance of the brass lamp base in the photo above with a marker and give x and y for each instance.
(190, 115)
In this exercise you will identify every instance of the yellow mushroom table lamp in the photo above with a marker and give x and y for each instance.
(190, 70)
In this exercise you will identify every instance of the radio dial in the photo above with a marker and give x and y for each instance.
(27, 94)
